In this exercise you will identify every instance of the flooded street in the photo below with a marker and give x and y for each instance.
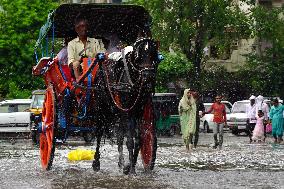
(238, 165)
(73, 69)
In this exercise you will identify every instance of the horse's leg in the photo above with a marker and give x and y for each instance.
(120, 139)
(137, 143)
(96, 162)
(130, 146)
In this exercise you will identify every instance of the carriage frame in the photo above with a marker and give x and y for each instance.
(61, 90)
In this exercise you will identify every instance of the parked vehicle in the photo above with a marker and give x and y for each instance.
(238, 119)
(36, 110)
(15, 116)
(206, 122)
(37, 101)
(166, 112)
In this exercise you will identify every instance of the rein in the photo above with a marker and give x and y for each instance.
(136, 45)
(126, 68)
(113, 98)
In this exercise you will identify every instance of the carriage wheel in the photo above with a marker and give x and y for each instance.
(148, 137)
(47, 138)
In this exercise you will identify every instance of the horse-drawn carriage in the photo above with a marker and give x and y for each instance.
(108, 91)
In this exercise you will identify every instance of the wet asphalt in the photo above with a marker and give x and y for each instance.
(238, 164)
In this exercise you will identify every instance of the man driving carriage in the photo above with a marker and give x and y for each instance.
(108, 89)
(82, 46)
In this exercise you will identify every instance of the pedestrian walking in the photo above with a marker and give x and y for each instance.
(219, 120)
(276, 117)
(200, 109)
(251, 117)
(187, 111)
(261, 105)
(258, 132)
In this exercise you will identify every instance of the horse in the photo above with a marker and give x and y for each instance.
(123, 93)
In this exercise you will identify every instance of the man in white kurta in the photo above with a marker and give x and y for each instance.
(82, 46)
(251, 117)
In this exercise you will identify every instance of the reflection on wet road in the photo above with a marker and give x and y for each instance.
(238, 165)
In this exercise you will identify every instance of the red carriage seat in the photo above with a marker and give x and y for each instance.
(64, 69)
(67, 72)
(62, 58)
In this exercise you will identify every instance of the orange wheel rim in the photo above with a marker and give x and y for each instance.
(147, 136)
(47, 134)
(147, 148)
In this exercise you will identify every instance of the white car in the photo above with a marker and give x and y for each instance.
(238, 119)
(206, 122)
(15, 115)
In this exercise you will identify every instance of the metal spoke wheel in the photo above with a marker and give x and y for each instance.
(148, 137)
(47, 136)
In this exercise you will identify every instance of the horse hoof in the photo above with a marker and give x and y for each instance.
(96, 166)
(126, 169)
(132, 172)
(120, 163)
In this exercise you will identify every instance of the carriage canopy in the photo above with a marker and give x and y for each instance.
(104, 20)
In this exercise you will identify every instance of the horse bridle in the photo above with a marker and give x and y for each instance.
(140, 78)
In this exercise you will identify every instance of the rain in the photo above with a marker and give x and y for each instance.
(119, 104)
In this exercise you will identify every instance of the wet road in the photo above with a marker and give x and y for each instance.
(238, 165)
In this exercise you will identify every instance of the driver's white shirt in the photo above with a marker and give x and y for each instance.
(251, 113)
(75, 46)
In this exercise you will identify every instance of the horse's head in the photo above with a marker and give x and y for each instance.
(145, 59)
(131, 74)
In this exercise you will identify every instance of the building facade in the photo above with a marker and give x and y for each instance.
(235, 57)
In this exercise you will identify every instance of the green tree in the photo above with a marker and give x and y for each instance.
(189, 25)
(15, 92)
(19, 26)
(174, 67)
(265, 66)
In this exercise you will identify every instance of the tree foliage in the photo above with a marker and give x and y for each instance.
(265, 66)
(173, 68)
(19, 26)
(182, 26)
(189, 25)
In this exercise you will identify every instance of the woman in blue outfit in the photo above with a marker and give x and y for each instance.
(276, 117)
